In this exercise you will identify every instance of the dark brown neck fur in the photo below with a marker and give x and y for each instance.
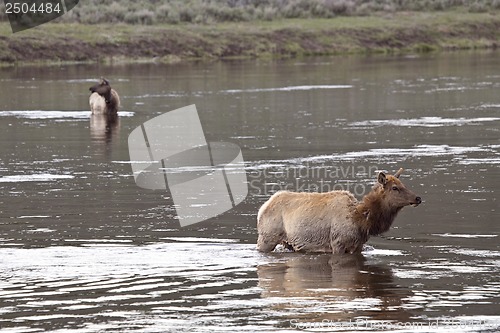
(112, 103)
(373, 215)
(107, 96)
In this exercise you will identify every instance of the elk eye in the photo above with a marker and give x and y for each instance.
(395, 188)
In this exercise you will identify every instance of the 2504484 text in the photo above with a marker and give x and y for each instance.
(31, 7)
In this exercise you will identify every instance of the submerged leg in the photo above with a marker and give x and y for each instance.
(265, 245)
(287, 246)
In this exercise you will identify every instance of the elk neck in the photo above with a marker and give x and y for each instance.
(373, 214)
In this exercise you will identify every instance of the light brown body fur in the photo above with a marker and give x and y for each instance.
(333, 221)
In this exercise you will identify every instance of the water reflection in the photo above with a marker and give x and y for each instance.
(332, 288)
(104, 127)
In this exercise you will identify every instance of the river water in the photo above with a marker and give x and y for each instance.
(83, 249)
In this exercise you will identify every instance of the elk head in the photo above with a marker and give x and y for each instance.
(103, 88)
(395, 193)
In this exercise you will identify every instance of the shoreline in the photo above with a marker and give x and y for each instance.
(396, 33)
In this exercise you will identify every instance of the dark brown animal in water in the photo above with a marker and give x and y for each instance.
(104, 99)
(333, 221)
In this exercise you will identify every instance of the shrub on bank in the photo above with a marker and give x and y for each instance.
(147, 12)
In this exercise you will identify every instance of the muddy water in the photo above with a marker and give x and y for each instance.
(83, 249)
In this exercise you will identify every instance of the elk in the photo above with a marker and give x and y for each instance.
(104, 99)
(331, 222)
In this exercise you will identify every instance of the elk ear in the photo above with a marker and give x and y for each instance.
(103, 81)
(382, 179)
(397, 174)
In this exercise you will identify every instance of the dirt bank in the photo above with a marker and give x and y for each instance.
(402, 32)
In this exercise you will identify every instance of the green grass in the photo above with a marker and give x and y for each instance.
(380, 33)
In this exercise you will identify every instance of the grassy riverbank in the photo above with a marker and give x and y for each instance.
(400, 32)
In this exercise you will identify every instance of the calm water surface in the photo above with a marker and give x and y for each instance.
(83, 249)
